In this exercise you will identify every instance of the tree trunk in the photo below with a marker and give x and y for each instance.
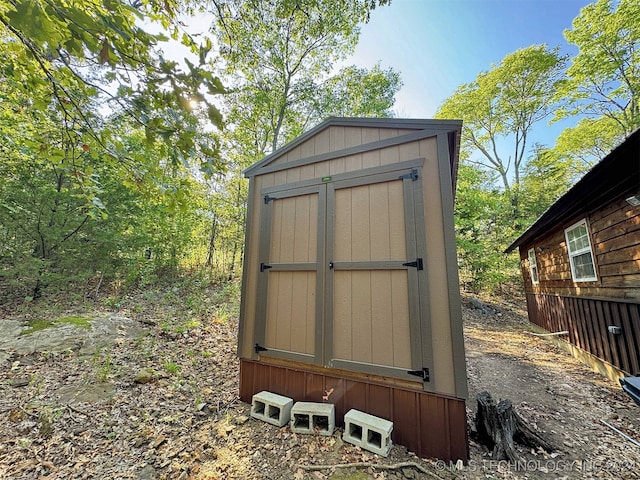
(212, 242)
(37, 289)
(499, 425)
(233, 259)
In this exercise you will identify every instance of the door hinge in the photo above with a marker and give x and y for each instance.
(424, 373)
(417, 264)
(412, 175)
(259, 348)
(267, 199)
(264, 266)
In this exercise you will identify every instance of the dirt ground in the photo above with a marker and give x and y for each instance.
(164, 405)
(555, 393)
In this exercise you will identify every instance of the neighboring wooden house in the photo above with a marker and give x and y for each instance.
(581, 263)
(350, 285)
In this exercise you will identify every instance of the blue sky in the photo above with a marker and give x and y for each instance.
(437, 45)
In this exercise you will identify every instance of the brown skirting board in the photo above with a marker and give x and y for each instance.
(588, 320)
(430, 425)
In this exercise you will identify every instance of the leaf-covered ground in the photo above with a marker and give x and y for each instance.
(165, 405)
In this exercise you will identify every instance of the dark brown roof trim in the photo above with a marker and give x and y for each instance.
(615, 174)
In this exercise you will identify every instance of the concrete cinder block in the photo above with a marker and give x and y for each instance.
(368, 431)
(271, 408)
(310, 418)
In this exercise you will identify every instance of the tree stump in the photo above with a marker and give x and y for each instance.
(498, 426)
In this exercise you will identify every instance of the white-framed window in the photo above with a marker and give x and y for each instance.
(533, 266)
(583, 268)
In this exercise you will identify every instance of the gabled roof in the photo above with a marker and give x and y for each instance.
(616, 174)
(424, 128)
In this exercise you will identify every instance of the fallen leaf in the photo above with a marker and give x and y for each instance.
(327, 394)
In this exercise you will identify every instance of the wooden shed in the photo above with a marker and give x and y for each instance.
(581, 264)
(350, 285)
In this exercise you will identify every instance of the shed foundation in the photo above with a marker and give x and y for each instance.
(429, 424)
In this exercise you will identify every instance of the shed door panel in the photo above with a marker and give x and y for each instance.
(294, 231)
(292, 242)
(369, 222)
(290, 319)
(374, 304)
(371, 318)
(340, 284)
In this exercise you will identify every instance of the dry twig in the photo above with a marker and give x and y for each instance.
(395, 466)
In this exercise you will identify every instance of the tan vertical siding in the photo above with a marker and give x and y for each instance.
(352, 136)
(441, 341)
(390, 155)
(291, 316)
(371, 323)
(343, 316)
(371, 318)
(371, 158)
(290, 304)
(388, 133)
(251, 263)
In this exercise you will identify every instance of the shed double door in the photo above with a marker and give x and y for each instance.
(342, 274)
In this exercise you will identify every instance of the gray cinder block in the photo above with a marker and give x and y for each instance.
(271, 408)
(368, 431)
(310, 418)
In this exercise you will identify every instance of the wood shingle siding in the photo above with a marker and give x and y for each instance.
(616, 246)
(616, 240)
(588, 309)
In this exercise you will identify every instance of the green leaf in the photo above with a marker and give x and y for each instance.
(604, 77)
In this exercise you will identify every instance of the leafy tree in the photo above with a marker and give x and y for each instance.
(276, 52)
(589, 141)
(96, 131)
(546, 177)
(356, 92)
(603, 80)
(483, 225)
(91, 56)
(502, 105)
(279, 57)
(484, 219)
(66, 214)
(42, 208)
(500, 109)
(227, 207)
(51, 240)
